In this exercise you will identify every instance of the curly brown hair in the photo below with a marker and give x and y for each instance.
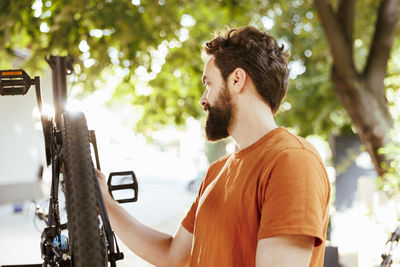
(259, 54)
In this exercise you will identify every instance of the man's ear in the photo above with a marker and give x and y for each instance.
(237, 80)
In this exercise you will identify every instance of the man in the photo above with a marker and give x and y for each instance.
(264, 205)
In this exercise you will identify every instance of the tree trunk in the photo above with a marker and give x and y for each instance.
(371, 119)
(362, 94)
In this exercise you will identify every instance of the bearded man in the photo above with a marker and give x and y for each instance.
(266, 204)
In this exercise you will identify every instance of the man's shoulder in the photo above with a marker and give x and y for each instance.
(213, 169)
(289, 143)
(219, 163)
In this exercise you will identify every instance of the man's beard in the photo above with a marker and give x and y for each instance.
(219, 116)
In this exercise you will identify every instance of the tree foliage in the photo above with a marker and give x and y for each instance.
(157, 45)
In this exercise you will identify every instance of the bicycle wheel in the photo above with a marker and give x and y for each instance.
(84, 230)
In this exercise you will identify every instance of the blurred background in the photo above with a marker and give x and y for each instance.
(137, 78)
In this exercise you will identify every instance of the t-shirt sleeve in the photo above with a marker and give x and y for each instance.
(294, 196)
(188, 221)
(190, 218)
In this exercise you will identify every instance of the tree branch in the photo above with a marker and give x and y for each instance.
(340, 49)
(375, 70)
(345, 17)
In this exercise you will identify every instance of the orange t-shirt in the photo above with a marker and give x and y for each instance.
(276, 186)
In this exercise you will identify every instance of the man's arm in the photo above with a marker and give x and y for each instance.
(155, 247)
(282, 251)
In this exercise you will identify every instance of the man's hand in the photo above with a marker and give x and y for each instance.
(104, 187)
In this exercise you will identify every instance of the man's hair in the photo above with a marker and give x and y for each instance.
(259, 54)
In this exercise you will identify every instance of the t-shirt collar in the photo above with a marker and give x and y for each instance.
(264, 138)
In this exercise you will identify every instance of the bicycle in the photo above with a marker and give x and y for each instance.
(86, 239)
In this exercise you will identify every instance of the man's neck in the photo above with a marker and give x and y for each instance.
(248, 129)
(252, 117)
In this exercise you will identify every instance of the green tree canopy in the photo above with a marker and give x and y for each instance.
(156, 46)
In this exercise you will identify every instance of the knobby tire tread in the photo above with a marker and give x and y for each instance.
(81, 193)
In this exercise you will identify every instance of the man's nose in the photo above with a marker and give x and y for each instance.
(203, 99)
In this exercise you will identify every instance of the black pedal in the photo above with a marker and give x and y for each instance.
(14, 82)
(125, 182)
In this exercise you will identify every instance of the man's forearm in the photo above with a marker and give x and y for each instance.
(155, 247)
(149, 244)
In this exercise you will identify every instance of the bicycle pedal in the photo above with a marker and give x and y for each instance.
(124, 182)
(14, 82)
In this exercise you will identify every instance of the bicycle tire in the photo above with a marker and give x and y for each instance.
(87, 245)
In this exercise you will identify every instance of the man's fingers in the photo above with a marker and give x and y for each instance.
(103, 185)
(99, 174)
